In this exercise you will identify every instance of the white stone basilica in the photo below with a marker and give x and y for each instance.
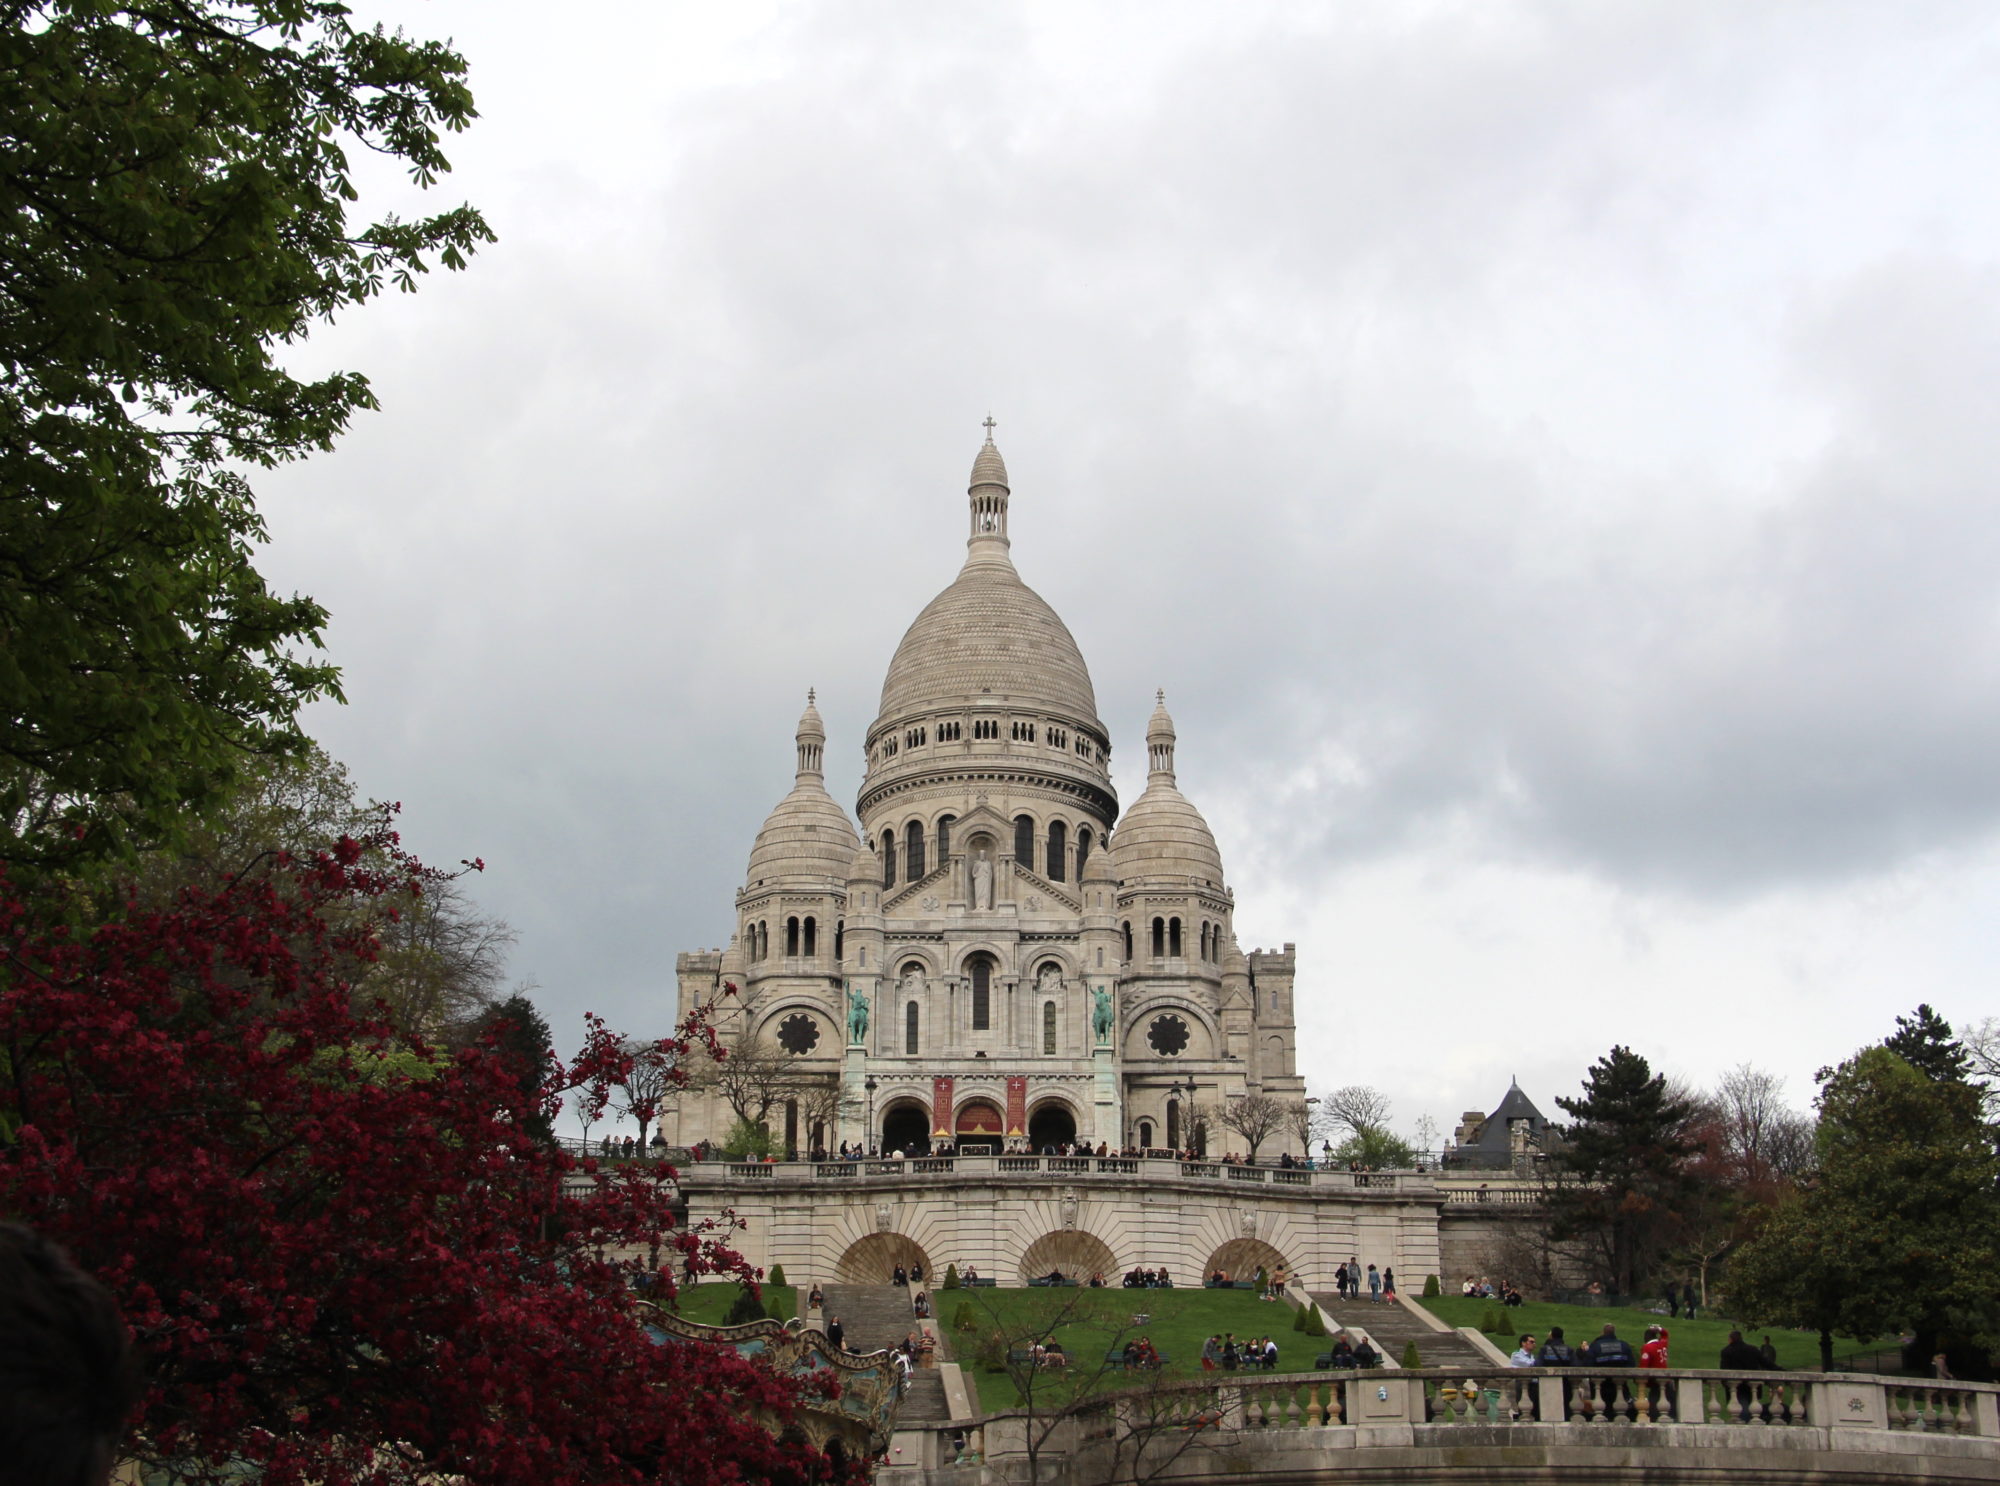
(998, 959)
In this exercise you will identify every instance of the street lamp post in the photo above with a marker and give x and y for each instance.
(868, 1135)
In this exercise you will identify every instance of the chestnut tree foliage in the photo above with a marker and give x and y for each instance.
(175, 196)
(344, 1251)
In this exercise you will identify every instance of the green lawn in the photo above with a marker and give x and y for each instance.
(1090, 1322)
(710, 1301)
(1696, 1343)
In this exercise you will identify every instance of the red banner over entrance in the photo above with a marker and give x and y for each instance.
(941, 1108)
(1017, 1106)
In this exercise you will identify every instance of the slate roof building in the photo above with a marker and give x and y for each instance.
(996, 958)
(1510, 1138)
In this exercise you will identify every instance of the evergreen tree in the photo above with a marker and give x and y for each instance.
(1623, 1180)
(1900, 1227)
(1924, 1040)
(520, 1035)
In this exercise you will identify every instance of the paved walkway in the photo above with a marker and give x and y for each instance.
(1391, 1326)
(873, 1317)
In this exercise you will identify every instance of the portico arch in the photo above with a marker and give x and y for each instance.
(979, 1126)
(1076, 1256)
(1241, 1258)
(874, 1260)
(1051, 1122)
(906, 1126)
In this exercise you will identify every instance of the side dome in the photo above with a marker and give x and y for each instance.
(808, 835)
(1162, 835)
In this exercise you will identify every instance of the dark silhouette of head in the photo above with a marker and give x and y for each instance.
(68, 1375)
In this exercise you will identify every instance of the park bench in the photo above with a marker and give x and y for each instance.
(982, 1280)
(1324, 1362)
(1053, 1284)
(1115, 1358)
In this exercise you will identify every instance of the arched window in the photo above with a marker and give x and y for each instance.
(840, 939)
(763, 940)
(1049, 1028)
(1173, 939)
(791, 937)
(791, 1127)
(1024, 841)
(945, 823)
(1128, 939)
(910, 1029)
(982, 993)
(1145, 1134)
(1174, 1124)
(1058, 849)
(888, 859)
(1082, 850)
(1159, 938)
(913, 850)
(1204, 939)
(812, 937)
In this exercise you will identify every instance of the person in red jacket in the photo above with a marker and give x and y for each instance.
(1653, 1354)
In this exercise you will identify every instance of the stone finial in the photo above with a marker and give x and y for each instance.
(1160, 738)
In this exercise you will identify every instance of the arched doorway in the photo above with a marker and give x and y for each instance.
(1051, 1123)
(1241, 1258)
(979, 1127)
(874, 1260)
(1075, 1256)
(906, 1127)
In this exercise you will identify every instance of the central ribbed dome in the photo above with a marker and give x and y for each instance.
(988, 633)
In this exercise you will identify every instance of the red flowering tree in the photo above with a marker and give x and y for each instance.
(344, 1254)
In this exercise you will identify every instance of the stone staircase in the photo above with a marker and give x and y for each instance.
(874, 1317)
(1392, 1326)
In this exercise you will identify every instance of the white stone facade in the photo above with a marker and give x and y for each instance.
(1035, 969)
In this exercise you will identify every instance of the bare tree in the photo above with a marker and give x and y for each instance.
(1981, 1042)
(1302, 1122)
(752, 1076)
(647, 1085)
(1427, 1137)
(1357, 1109)
(1080, 1408)
(1254, 1117)
(822, 1102)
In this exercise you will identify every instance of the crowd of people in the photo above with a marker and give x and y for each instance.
(1479, 1288)
(1148, 1279)
(1225, 1352)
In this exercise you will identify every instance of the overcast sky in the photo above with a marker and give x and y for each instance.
(1546, 453)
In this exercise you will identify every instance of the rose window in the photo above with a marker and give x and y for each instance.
(1168, 1036)
(798, 1034)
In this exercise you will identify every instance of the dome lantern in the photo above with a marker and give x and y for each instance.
(987, 495)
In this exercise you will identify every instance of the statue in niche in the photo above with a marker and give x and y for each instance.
(1049, 980)
(913, 981)
(1100, 1015)
(982, 880)
(857, 1016)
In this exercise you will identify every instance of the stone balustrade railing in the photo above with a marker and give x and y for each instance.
(1583, 1398)
(961, 1168)
(1540, 1413)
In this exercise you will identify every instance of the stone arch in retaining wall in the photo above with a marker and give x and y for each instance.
(1077, 1255)
(1241, 1258)
(873, 1260)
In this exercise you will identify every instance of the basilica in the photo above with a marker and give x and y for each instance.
(998, 959)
